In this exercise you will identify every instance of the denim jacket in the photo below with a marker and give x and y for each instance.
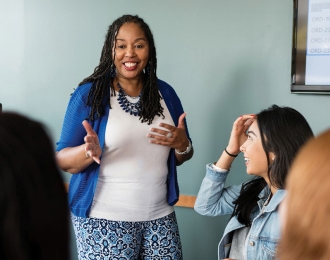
(215, 200)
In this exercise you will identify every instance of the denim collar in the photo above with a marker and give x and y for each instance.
(275, 200)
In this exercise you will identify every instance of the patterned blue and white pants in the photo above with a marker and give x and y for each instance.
(102, 239)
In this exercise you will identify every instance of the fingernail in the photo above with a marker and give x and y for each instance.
(97, 160)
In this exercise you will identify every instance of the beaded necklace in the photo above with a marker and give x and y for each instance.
(128, 106)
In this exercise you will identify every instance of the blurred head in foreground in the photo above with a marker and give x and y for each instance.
(34, 220)
(305, 211)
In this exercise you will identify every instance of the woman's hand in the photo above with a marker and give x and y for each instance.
(174, 137)
(238, 133)
(77, 158)
(237, 138)
(92, 145)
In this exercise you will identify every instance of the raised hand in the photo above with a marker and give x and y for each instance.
(238, 133)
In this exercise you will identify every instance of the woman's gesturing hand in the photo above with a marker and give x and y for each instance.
(92, 145)
(169, 135)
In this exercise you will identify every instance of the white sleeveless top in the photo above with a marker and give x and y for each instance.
(133, 172)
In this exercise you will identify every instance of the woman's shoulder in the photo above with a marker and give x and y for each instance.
(166, 89)
(164, 86)
(84, 88)
(81, 91)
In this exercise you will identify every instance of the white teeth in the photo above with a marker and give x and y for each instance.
(130, 64)
(247, 159)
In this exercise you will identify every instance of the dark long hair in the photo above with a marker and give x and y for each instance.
(102, 77)
(34, 215)
(283, 130)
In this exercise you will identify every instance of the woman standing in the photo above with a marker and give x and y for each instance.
(124, 156)
(269, 142)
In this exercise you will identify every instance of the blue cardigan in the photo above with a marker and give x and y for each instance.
(82, 185)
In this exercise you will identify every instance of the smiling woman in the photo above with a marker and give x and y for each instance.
(131, 56)
(269, 141)
(123, 135)
(256, 160)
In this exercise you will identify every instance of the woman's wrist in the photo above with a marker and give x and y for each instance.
(225, 160)
(218, 169)
(231, 154)
(188, 149)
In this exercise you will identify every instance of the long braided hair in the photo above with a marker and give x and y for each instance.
(102, 77)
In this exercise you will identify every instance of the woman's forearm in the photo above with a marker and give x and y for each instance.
(73, 159)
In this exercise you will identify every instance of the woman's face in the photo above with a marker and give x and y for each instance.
(254, 154)
(131, 51)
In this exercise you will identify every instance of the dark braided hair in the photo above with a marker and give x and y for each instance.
(102, 77)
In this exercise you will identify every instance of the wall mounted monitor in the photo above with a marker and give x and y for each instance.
(310, 69)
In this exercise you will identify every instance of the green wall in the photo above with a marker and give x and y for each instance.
(224, 58)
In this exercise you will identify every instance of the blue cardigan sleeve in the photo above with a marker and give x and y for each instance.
(82, 185)
(73, 132)
(174, 105)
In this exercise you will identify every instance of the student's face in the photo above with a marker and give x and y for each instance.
(254, 154)
(131, 51)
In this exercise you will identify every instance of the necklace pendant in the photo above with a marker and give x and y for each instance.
(126, 105)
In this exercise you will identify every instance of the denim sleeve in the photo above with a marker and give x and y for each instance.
(213, 199)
